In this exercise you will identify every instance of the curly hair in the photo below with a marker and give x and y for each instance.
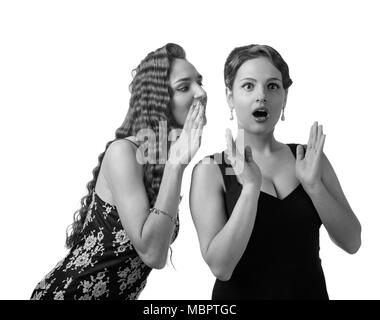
(240, 55)
(149, 104)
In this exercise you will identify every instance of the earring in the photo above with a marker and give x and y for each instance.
(232, 115)
(282, 115)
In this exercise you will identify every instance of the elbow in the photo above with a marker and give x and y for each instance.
(357, 244)
(153, 261)
(221, 269)
(222, 276)
(152, 257)
(222, 273)
(355, 248)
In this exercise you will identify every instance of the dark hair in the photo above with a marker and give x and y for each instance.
(240, 55)
(148, 105)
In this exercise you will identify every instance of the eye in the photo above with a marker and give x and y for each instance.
(200, 83)
(273, 86)
(248, 86)
(183, 88)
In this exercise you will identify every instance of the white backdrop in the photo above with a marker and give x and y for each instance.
(65, 67)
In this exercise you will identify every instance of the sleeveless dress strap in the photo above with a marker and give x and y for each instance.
(293, 148)
(131, 142)
(223, 166)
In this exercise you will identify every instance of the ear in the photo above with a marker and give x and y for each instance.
(229, 98)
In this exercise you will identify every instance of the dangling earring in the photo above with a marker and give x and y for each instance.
(282, 115)
(232, 115)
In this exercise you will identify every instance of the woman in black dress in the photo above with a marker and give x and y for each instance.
(128, 219)
(258, 206)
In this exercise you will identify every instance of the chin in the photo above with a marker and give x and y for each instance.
(258, 128)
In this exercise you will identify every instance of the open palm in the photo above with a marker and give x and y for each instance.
(244, 167)
(309, 164)
(189, 141)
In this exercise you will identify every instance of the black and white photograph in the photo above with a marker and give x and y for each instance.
(189, 150)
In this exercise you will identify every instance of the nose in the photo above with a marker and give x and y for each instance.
(260, 94)
(199, 92)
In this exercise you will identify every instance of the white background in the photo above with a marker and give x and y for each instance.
(65, 67)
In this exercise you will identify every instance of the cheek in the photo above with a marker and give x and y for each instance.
(242, 104)
(276, 98)
(180, 106)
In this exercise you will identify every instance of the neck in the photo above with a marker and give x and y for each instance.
(263, 144)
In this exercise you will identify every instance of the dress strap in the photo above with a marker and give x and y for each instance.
(131, 142)
(293, 148)
(228, 179)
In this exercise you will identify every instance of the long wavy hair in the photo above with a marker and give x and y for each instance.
(240, 55)
(149, 104)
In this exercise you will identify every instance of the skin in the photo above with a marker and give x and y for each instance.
(186, 84)
(257, 80)
(263, 164)
(120, 180)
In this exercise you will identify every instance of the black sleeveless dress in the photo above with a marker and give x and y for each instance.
(103, 264)
(281, 260)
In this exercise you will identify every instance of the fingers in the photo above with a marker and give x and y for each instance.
(300, 153)
(199, 120)
(231, 148)
(188, 117)
(316, 136)
(233, 145)
(312, 137)
(319, 136)
(191, 116)
(321, 144)
(196, 111)
(248, 154)
(229, 142)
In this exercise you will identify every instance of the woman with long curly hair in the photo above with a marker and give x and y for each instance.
(129, 217)
(258, 223)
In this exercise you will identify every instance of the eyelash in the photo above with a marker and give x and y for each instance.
(271, 84)
(274, 84)
(186, 88)
(245, 84)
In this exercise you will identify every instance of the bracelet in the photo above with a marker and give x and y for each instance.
(158, 211)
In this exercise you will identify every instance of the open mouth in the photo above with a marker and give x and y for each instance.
(261, 114)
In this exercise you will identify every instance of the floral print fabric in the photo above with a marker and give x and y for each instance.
(103, 265)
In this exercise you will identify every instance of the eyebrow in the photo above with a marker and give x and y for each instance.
(270, 79)
(188, 79)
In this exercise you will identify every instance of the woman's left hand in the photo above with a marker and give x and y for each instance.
(184, 148)
(309, 165)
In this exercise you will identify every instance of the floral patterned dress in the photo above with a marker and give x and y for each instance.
(103, 264)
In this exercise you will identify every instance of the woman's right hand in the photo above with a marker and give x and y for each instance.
(189, 141)
(245, 168)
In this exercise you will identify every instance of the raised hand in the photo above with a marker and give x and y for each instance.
(244, 167)
(309, 164)
(189, 141)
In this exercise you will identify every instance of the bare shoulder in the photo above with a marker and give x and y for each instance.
(122, 153)
(207, 171)
(133, 139)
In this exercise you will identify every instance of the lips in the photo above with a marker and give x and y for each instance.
(261, 113)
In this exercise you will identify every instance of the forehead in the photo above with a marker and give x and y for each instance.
(182, 68)
(258, 68)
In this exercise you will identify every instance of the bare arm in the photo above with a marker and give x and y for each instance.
(150, 234)
(223, 241)
(334, 210)
(319, 180)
